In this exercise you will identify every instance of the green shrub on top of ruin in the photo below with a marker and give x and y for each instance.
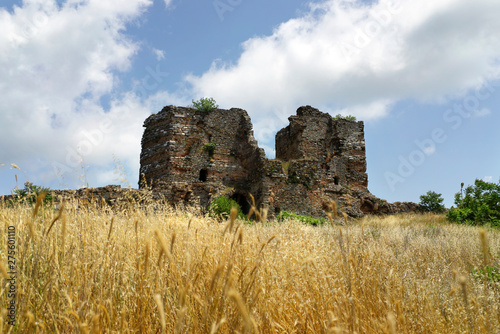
(205, 104)
(220, 208)
(477, 205)
(305, 219)
(347, 118)
(432, 202)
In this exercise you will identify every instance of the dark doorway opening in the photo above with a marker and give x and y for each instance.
(187, 197)
(242, 201)
(367, 207)
(203, 175)
(336, 180)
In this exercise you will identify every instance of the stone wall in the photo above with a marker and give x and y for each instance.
(337, 146)
(190, 157)
(113, 196)
(117, 198)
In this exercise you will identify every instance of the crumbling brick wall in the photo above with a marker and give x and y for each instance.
(318, 159)
(112, 196)
(336, 145)
(190, 156)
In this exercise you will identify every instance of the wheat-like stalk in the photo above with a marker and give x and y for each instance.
(388, 274)
(161, 311)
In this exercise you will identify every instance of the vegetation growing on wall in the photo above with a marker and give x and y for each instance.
(221, 207)
(210, 148)
(205, 104)
(347, 118)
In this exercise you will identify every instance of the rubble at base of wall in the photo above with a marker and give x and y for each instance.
(355, 203)
(112, 196)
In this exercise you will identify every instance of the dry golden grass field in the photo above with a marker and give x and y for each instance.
(166, 271)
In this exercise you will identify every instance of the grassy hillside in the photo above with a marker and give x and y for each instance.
(162, 270)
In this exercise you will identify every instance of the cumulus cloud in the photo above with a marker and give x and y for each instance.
(343, 56)
(348, 57)
(59, 60)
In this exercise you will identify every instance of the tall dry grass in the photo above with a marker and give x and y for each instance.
(163, 271)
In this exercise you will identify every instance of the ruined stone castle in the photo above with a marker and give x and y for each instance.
(189, 157)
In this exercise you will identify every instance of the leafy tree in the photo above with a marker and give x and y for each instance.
(477, 205)
(30, 192)
(205, 104)
(432, 202)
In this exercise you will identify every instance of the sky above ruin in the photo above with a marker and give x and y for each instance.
(78, 79)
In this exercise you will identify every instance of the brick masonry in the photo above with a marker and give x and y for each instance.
(190, 157)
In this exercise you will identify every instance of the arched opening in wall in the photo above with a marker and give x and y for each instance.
(336, 180)
(203, 175)
(367, 207)
(242, 201)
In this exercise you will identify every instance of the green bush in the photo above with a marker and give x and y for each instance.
(29, 193)
(305, 219)
(347, 118)
(221, 206)
(205, 104)
(477, 205)
(432, 202)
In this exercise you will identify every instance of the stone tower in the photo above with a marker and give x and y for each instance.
(191, 156)
(337, 146)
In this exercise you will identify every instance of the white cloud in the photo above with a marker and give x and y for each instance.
(60, 60)
(160, 54)
(488, 178)
(168, 3)
(342, 57)
(353, 58)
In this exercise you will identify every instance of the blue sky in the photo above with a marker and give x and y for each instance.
(79, 78)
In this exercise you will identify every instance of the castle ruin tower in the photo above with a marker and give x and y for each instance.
(189, 156)
(337, 144)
